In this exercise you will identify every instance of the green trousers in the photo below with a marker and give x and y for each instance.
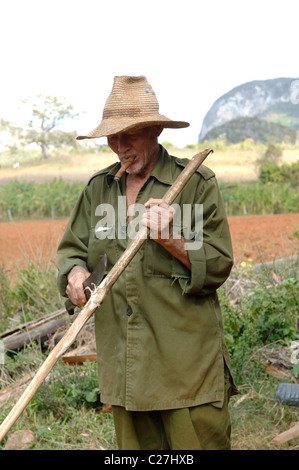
(203, 427)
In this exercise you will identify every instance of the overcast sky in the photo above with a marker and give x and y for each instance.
(191, 51)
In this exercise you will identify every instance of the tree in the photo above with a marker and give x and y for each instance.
(48, 112)
(273, 153)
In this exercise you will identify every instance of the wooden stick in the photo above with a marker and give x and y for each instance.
(97, 298)
(18, 340)
(288, 435)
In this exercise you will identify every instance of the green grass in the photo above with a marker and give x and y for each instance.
(31, 294)
(261, 316)
(260, 199)
(28, 200)
(23, 200)
(65, 413)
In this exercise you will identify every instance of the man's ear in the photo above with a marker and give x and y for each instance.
(159, 130)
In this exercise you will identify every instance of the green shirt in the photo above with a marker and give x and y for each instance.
(159, 332)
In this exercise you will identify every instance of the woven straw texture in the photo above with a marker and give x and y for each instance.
(132, 103)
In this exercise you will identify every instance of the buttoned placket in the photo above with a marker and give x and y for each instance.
(132, 311)
(135, 321)
(134, 324)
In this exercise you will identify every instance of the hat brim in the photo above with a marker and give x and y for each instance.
(114, 126)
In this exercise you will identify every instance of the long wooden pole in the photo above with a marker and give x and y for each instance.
(97, 298)
(287, 436)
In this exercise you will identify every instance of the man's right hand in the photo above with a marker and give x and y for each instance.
(75, 289)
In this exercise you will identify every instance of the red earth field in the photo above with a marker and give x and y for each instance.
(261, 238)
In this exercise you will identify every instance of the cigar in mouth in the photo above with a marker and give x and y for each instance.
(123, 168)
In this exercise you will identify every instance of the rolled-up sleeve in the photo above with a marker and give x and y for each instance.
(211, 256)
(73, 247)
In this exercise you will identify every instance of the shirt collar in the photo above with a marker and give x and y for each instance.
(112, 172)
(162, 171)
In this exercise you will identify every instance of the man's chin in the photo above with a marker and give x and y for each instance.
(134, 169)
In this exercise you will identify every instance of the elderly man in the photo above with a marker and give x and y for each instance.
(162, 360)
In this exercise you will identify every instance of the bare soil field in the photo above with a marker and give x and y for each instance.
(261, 238)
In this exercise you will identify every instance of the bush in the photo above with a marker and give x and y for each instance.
(275, 311)
(272, 173)
(272, 153)
(266, 313)
(78, 388)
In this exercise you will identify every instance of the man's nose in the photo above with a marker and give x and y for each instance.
(123, 144)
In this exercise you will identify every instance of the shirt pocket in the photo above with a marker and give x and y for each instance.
(158, 262)
(98, 246)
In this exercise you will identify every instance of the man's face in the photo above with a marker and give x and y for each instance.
(142, 144)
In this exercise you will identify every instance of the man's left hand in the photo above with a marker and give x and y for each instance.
(158, 218)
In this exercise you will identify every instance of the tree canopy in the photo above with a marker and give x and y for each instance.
(48, 112)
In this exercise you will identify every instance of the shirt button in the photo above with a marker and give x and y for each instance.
(124, 229)
(129, 311)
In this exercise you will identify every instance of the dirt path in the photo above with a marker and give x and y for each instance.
(262, 238)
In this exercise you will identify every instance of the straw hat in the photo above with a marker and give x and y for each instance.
(132, 103)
